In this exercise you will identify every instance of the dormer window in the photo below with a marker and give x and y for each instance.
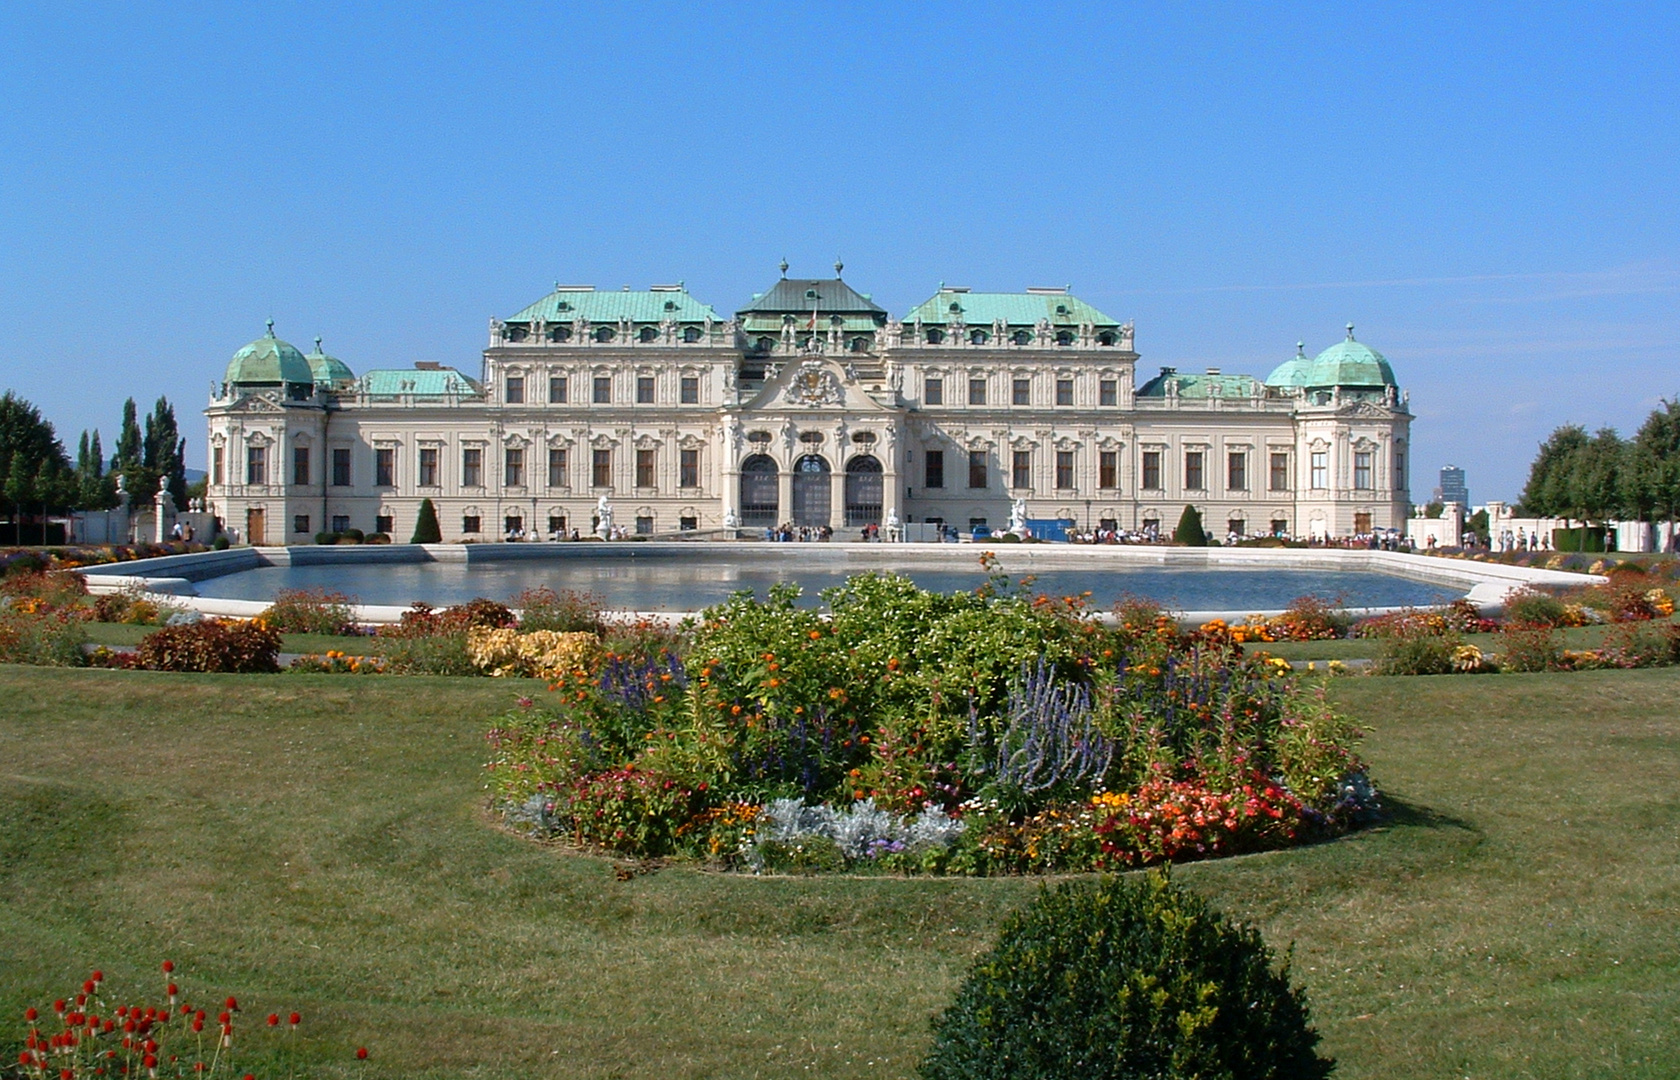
(1064, 338)
(559, 333)
(1106, 338)
(935, 336)
(563, 306)
(1061, 309)
(517, 333)
(691, 334)
(1021, 337)
(978, 337)
(647, 334)
(670, 305)
(604, 334)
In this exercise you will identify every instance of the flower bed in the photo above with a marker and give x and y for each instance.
(979, 733)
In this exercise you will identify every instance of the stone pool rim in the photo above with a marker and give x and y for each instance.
(1484, 584)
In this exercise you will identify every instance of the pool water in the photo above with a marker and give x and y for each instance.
(693, 583)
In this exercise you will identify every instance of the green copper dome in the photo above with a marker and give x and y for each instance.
(329, 371)
(269, 361)
(1346, 363)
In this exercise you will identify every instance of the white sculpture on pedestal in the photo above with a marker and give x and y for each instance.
(1018, 517)
(603, 518)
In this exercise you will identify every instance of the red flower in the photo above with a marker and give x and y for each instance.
(273, 1019)
(361, 1053)
(168, 966)
(30, 1014)
(296, 1019)
(98, 976)
(233, 1004)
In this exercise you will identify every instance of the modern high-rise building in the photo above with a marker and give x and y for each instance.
(1452, 486)
(811, 405)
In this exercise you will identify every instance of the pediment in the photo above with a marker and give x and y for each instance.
(263, 403)
(812, 384)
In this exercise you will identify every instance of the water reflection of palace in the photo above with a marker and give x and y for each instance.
(812, 405)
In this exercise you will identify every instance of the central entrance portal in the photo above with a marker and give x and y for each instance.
(812, 491)
(863, 491)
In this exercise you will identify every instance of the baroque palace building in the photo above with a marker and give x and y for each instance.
(812, 406)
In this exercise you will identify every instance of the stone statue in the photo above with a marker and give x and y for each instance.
(1018, 516)
(731, 520)
(603, 514)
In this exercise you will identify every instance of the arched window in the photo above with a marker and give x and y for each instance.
(559, 333)
(812, 487)
(935, 336)
(691, 334)
(648, 333)
(1064, 337)
(1021, 337)
(758, 491)
(978, 337)
(517, 332)
(1106, 338)
(863, 491)
(604, 333)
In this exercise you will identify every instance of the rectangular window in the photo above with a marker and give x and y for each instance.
(1064, 469)
(1020, 469)
(1020, 392)
(688, 524)
(1108, 392)
(300, 466)
(513, 467)
(688, 469)
(1362, 470)
(516, 390)
(256, 464)
(557, 467)
(1280, 472)
(429, 466)
(556, 526)
(1280, 526)
(1399, 470)
(1064, 391)
(603, 389)
(217, 457)
(385, 467)
(1320, 466)
(1193, 479)
(977, 468)
(933, 392)
(644, 525)
(1152, 470)
(1236, 527)
(1236, 470)
(469, 524)
(934, 471)
(977, 391)
(644, 468)
(691, 390)
(557, 389)
(384, 523)
(600, 468)
(472, 467)
(644, 389)
(341, 466)
(341, 523)
(300, 523)
(1108, 469)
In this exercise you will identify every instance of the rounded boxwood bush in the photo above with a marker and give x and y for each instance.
(1131, 978)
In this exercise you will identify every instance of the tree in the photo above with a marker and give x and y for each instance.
(1549, 492)
(1653, 474)
(27, 444)
(426, 529)
(1190, 532)
(1132, 979)
(20, 488)
(163, 452)
(1597, 480)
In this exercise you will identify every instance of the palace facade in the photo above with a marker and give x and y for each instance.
(811, 405)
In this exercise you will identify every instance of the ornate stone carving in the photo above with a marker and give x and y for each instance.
(813, 385)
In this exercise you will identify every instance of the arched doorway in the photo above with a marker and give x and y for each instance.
(758, 491)
(812, 491)
(863, 491)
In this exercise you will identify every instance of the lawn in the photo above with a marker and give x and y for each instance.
(125, 634)
(319, 842)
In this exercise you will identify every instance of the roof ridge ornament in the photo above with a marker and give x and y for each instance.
(838, 266)
(270, 327)
(317, 342)
(784, 266)
(1350, 331)
(1301, 349)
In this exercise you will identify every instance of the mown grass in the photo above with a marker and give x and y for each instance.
(361, 645)
(320, 843)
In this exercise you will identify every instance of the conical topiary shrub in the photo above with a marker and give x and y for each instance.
(1190, 532)
(1133, 978)
(426, 529)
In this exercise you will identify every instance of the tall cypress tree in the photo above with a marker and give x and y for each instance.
(163, 451)
(426, 529)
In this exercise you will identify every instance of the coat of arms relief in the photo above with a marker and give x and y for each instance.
(814, 385)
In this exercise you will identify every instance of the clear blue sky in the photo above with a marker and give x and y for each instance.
(1488, 192)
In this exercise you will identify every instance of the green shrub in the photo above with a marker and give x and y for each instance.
(1582, 539)
(426, 530)
(326, 538)
(311, 611)
(1529, 647)
(1131, 978)
(50, 639)
(211, 646)
(220, 543)
(1190, 532)
(1529, 607)
(430, 654)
